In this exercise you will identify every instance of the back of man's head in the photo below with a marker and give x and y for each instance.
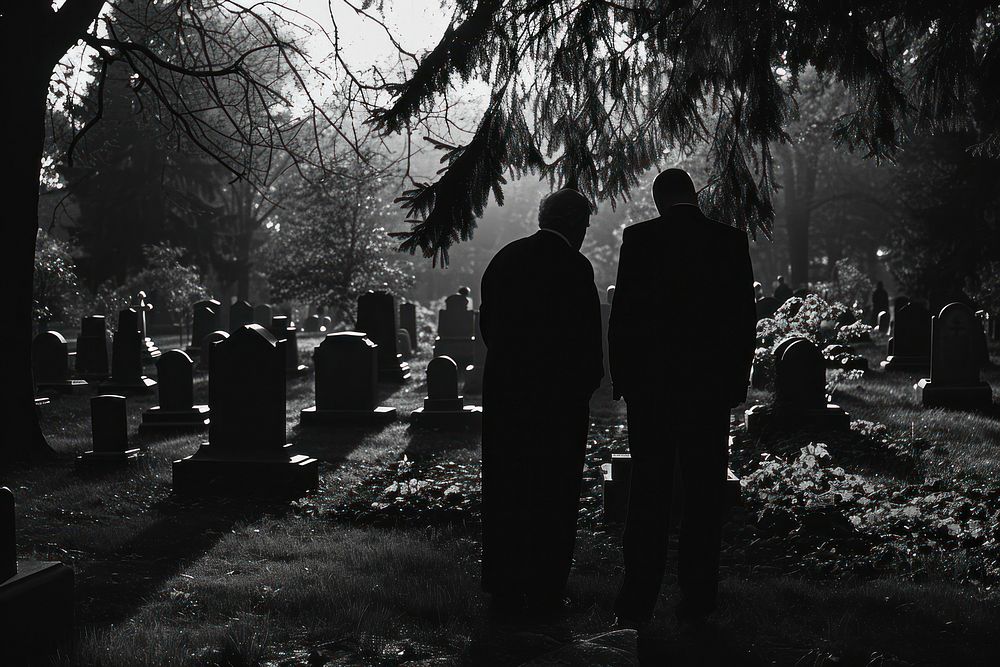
(671, 187)
(563, 208)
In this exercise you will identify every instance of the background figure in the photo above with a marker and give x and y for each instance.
(678, 404)
(543, 362)
(880, 301)
(782, 292)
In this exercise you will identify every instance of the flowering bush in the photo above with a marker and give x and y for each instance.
(853, 333)
(894, 522)
(811, 317)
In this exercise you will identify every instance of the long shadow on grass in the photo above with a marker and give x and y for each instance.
(111, 589)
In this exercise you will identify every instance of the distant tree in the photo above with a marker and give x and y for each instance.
(329, 244)
(173, 284)
(592, 93)
(184, 53)
(950, 198)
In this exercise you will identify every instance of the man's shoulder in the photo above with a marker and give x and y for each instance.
(643, 228)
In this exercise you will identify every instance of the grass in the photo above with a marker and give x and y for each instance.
(213, 582)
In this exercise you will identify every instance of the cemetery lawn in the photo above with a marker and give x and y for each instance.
(380, 565)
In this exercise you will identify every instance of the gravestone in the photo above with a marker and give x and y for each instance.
(443, 407)
(93, 349)
(262, 315)
(50, 363)
(403, 344)
(884, 321)
(126, 358)
(767, 307)
(473, 383)
(909, 348)
(240, 315)
(326, 323)
(282, 329)
(312, 324)
(346, 365)
(617, 477)
(377, 318)
(175, 374)
(408, 321)
(800, 393)
(246, 453)
(141, 306)
(958, 352)
(205, 319)
(109, 428)
(456, 330)
(204, 361)
(802, 292)
(36, 601)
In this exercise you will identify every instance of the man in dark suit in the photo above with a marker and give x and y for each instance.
(681, 340)
(540, 318)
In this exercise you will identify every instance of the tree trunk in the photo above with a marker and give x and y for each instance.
(24, 120)
(243, 245)
(798, 200)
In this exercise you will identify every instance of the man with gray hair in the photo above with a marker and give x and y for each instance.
(544, 360)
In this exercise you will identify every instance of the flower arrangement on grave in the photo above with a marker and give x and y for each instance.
(811, 317)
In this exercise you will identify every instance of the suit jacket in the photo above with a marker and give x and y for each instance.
(683, 320)
(540, 317)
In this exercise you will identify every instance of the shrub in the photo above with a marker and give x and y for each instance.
(57, 295)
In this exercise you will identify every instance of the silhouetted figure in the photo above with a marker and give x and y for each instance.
(758, 291)
(880, 301)
(782, 292)
(678, 402)
(543, 362)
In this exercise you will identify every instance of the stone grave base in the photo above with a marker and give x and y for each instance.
(150, 352)
(469, 417)
(615, 491)
(196, 417)
(36, 606)
(42, 400)
(145, 385)
(761, 418)
(257, 475)
(94, 459)
(895, 362)
(459, 349)
(298, 371)
(473, 380)
(394, 374)
(380, 415)
(94, 378)
(932, 395)
(66, 387)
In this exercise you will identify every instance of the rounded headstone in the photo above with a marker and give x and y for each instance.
(346, 366)
(207, 344)
(442, 378)
(109, 423)
(800, 376)
(50, 358)
(175, 374)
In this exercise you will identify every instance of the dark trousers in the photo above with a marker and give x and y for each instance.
(533, 455)
(659, 435)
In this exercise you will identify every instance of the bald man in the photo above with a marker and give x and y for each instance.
(544, 360)
(681, 339)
